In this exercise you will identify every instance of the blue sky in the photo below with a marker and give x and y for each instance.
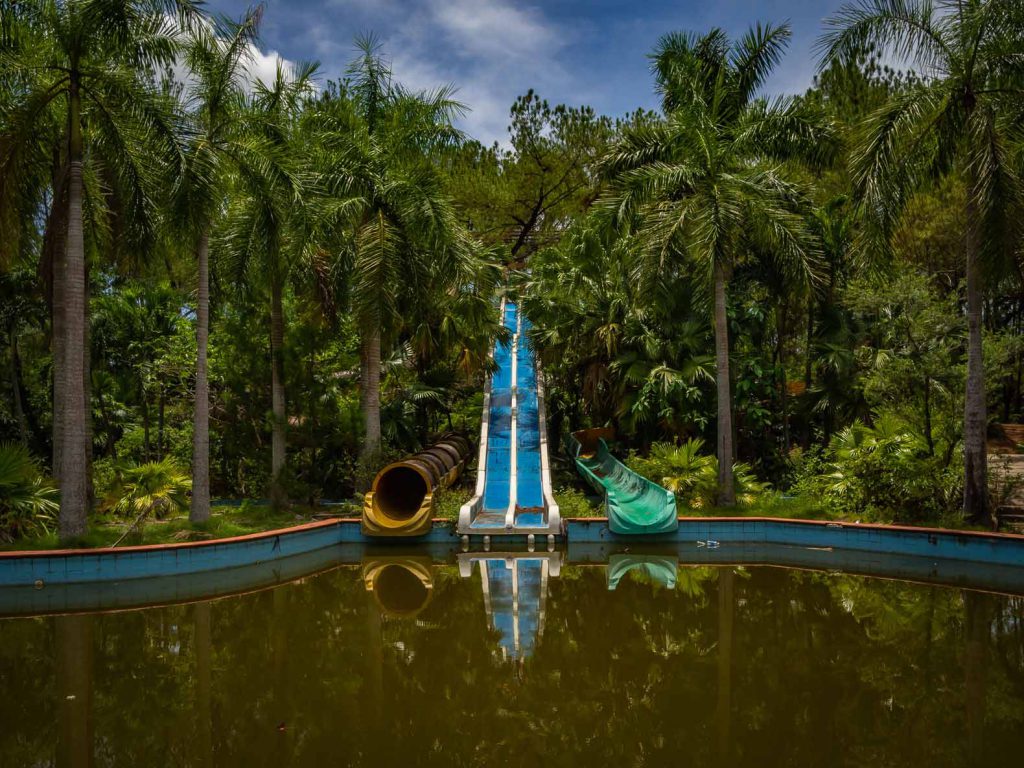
(569, 51)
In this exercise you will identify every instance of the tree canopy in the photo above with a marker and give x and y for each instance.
(275, 287)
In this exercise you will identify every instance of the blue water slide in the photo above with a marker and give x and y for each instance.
(529, 488)
(513, 492)
(498, 463)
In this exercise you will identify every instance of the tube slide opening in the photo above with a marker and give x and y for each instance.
(400, 492)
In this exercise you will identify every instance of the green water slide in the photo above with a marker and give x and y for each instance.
(634, 504)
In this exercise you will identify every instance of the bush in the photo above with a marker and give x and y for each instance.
(692, 475)
(574, 503)
(883, 473)
(154, 488)
(28, 503)
(448, 501)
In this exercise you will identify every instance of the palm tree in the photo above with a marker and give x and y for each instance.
(700, 185)
(89, 64)
(154, 488)
(957, 119)
(217, 56)
(269, 202)
(636, 356)
(407, 240)
(28, 503)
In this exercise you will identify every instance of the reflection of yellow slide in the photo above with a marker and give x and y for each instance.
(401, 500)
(401, 586)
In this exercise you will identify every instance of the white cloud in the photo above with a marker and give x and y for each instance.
(491, 50)
(257, 66)
(495, 28)
(263, 67)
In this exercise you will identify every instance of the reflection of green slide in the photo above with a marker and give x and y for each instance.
(633, 503)
(659, 569)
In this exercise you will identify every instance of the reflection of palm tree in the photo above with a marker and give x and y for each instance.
(203, 683)
(725, 624)
(74, 635)
(280, 676)
(978, 615)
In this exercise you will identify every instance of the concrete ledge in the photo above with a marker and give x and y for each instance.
(935, 543)
(36, 568)
(113, 596)
(77, 566)
(33, 569)
(962, 574)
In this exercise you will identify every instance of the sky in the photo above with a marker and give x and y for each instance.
(569, 51)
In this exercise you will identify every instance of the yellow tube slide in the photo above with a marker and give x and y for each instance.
(401, 499)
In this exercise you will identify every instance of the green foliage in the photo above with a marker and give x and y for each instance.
(882, 472)
(574, 503)
(28, 503)
(358, 225)
(156, 488)
(614, 352)
(448, 502)
(692, 475)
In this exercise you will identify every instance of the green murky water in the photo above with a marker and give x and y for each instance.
(524, 663)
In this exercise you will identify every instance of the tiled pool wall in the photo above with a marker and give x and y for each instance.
(1003, 549)
(126, 563)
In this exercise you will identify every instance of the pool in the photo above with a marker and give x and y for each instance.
(529, 658)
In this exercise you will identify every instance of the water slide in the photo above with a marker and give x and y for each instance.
(401, 500)
(634, 504)
(513, 490)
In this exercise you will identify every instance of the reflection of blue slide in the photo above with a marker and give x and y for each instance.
(513, 491)
(502, 605)
(515, 592)
(529, 575)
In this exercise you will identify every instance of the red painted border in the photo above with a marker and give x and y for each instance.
(841, 523)
(596, 520)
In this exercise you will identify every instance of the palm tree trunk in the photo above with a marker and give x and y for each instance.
(57, 323)
(371, 393)
(18, 391)
(278, 445)
(160, 411)
(808, 368)
(975, 420)
(72, 418)
(146, 448)
(200, 511)
(726, 490)
(783, 380)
